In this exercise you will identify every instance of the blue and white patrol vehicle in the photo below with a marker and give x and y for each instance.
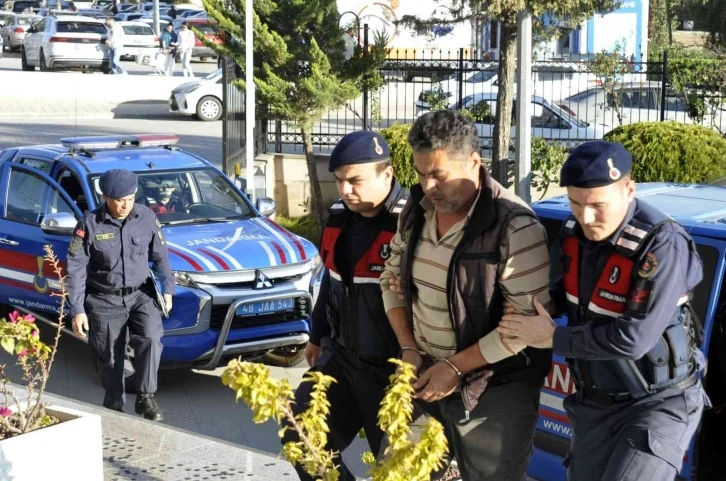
(244, 285)
(702, 211)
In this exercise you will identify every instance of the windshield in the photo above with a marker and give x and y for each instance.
(214, 74)
(187, 196)
(81, 27)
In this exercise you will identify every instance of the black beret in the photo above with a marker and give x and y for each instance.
(359, 147)
(595, 164)
(118, 183)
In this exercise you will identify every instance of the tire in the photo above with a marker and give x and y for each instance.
(287, 356)
(209, 108)
(41, 62)
(24, 62)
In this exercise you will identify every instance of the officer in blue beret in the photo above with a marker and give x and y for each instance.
(631, 341)
(351, 339)
(108, 274)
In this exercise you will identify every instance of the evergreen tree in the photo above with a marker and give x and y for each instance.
(569, 13)
(300, 68)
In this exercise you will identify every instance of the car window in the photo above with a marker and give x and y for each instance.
(41, 165)
(207, 28)
(544, 118)
(709, 256)
(676, 104)
(31, 198)
(579, 97)
(138, 30)
(551, 76)
(81, 27)
(40, 26)
(482, 76)
(638, 99)
(25, 21)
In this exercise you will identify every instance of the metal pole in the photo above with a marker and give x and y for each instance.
(157, 28)
(365, 90)
(249, 103)
(664, 85)
(460, 79)
(523, 145)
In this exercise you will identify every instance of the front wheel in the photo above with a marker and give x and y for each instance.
(286, 356)
(209, 108)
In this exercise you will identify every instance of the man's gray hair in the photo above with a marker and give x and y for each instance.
(444, 129)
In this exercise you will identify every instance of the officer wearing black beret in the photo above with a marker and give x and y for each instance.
(108, 264)
(351, 338)
(631, 341)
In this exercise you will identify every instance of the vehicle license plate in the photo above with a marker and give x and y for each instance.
(266, 307)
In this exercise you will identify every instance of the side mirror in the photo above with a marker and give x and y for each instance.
(266, 206)
(60, 223)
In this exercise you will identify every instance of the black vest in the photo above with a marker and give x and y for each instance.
(618, 289)
(355, 304)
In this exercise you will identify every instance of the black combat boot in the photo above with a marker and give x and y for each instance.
(146, 405)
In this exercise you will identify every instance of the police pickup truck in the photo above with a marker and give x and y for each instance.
(702, 211)
(244, 285)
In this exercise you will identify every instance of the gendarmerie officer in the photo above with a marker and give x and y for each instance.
(108, 262)
(351, 338)
(628, 272)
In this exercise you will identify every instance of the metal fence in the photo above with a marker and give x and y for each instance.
(572, 103)
(233, 120)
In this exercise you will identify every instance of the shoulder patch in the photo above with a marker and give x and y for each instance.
(75, 246)
(81, 233)
(648, 266)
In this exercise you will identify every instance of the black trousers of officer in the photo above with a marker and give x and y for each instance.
(354, 401)
(495, 443)
(110, 318)
(644, 440)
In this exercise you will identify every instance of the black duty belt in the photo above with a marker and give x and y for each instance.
(609, 398)
(124, 291)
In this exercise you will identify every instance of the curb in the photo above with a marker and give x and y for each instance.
(90, 111)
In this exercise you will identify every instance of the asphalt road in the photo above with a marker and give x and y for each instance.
(11, 61)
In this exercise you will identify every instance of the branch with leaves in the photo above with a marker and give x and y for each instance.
(405, 459)
(19, 335)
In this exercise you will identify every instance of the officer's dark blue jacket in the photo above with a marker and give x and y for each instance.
(670, 265)
(107, 254)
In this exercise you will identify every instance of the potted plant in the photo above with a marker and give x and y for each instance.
(28, 426)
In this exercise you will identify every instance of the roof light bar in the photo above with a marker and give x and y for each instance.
(119, 141)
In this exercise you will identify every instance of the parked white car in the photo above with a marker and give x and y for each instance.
(65, 42)
(550, 80)
(548, 121)
(139, 39)
(202, 99)
(12, 30)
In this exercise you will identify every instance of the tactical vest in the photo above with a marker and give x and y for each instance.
(618, 289)
(355, 305)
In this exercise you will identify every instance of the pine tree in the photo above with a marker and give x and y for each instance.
(300, 68)
(570, 14)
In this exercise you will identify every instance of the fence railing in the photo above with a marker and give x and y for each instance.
(572, 102)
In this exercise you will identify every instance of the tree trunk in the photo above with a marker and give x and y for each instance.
(505, 103)
(317, 200)
(669, 20)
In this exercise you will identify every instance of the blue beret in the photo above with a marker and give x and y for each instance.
(118, 183)
(359, 147)
(595, 164)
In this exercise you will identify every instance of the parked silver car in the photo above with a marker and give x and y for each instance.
(13, 29)
(635, 102)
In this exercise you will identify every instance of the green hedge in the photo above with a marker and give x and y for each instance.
(306, 227)
(673, 152)
(401, 154)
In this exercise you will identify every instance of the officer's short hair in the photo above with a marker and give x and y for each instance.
(444, 129)
(383, 165)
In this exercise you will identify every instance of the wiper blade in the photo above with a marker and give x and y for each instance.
(185, 221)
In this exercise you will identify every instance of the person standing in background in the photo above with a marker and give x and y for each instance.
(186, 45)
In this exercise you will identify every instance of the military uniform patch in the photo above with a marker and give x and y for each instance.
(648, 266)
(108, 236)
(75, 246)
(80, 233)
(385, 251)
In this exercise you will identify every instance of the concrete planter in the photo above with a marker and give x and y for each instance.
(71, 449)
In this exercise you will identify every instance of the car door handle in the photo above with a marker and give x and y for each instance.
(8, 242)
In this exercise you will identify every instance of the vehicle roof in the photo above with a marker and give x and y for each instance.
(71, 18)
(133, 22)
(689, 204)
(493, 96)
(131, 158)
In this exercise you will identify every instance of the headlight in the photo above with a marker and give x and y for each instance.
(193, 88)
(315, 263)
(183, 279)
